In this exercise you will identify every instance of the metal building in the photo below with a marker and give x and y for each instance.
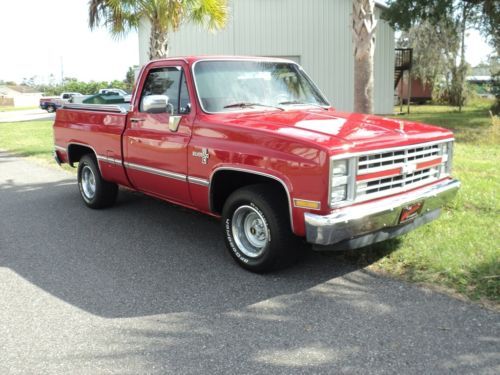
(315, 33)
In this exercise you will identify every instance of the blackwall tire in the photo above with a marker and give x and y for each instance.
(257, 231)
(95, 192)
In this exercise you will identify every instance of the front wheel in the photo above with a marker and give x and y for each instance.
(257, 231)
(95, 192)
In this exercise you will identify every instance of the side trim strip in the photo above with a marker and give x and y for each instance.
(198, 181)
(107, 159)
(159, 172)
(60, 148)
(96, 107)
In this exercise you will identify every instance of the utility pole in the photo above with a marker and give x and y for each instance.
(62, 71)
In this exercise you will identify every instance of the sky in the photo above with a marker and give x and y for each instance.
(42, 37)
(37, 35)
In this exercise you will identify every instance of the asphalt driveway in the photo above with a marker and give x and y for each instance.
(147, 287)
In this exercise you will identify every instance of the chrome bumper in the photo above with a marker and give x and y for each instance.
(367, 223)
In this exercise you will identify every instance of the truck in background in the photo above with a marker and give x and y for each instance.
(52, 103)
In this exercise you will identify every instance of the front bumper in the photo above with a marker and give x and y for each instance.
(367, 223)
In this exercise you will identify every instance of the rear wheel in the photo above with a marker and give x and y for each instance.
(95, 192)
(51, 108)
(257, 231)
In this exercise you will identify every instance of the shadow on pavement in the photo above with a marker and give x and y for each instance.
(185, 306)
(141, 257)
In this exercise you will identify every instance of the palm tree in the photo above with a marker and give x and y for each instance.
(165, 16)
(363, 27)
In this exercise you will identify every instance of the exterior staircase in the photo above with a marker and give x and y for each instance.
(404, 57)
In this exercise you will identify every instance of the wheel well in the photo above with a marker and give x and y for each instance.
(225, 182)
(75, 153)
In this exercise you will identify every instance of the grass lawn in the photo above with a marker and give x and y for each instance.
(31, 138)
(460, 251)
(10, 109)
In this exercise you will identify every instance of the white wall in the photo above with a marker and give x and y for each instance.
(27, 100)
(316, 31)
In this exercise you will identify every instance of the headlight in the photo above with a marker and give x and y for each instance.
(340, 180)
(449, 150)
(338, 193)
(447, 154)
(339, 168)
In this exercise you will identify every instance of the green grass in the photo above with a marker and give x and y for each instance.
(11, 109)
(31, 138)
(460, 251)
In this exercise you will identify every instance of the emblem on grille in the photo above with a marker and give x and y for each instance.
(204, 155)
(408, 168)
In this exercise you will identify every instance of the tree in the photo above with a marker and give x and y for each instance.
(433, 50)
(165, 16)
(457, 15)
(363, 28)
(130, 78)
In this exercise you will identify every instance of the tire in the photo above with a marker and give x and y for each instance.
(95, 192)
(257, 233)
(51, 109)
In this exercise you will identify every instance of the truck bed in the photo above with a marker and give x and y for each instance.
(98, 127)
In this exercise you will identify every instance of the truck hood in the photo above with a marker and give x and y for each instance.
(339, 130)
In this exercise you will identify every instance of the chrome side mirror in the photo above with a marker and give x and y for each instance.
(155, 103)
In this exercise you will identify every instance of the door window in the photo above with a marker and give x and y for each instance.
(166, 88)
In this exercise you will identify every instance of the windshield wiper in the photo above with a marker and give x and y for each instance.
(296, 102)
(248, 104)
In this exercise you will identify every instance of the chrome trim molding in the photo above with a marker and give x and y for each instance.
(60, 148)
(84, 145)
(355, 221)
(198, 181)
(158, 172)
(107, 159)
(96, 107)
(251, 172)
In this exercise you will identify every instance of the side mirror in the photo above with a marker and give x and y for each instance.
(155, 103)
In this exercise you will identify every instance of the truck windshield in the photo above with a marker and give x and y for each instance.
(225, 86)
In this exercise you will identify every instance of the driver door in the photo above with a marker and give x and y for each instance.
(155, 154)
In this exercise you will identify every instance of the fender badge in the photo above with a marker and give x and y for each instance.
(204, 155)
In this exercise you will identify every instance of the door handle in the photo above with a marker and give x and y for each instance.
(136, 119)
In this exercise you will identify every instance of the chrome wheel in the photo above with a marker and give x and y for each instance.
(88, 183)
(250, 231)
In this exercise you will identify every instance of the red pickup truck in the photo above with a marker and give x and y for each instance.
(254, 142)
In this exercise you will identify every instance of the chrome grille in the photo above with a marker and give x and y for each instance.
(406, 159)
(386, 159)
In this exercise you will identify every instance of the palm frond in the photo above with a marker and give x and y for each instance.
(118, 16)
(210, 13)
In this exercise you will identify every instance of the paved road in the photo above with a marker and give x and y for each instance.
(26, 115)
(147, 287)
